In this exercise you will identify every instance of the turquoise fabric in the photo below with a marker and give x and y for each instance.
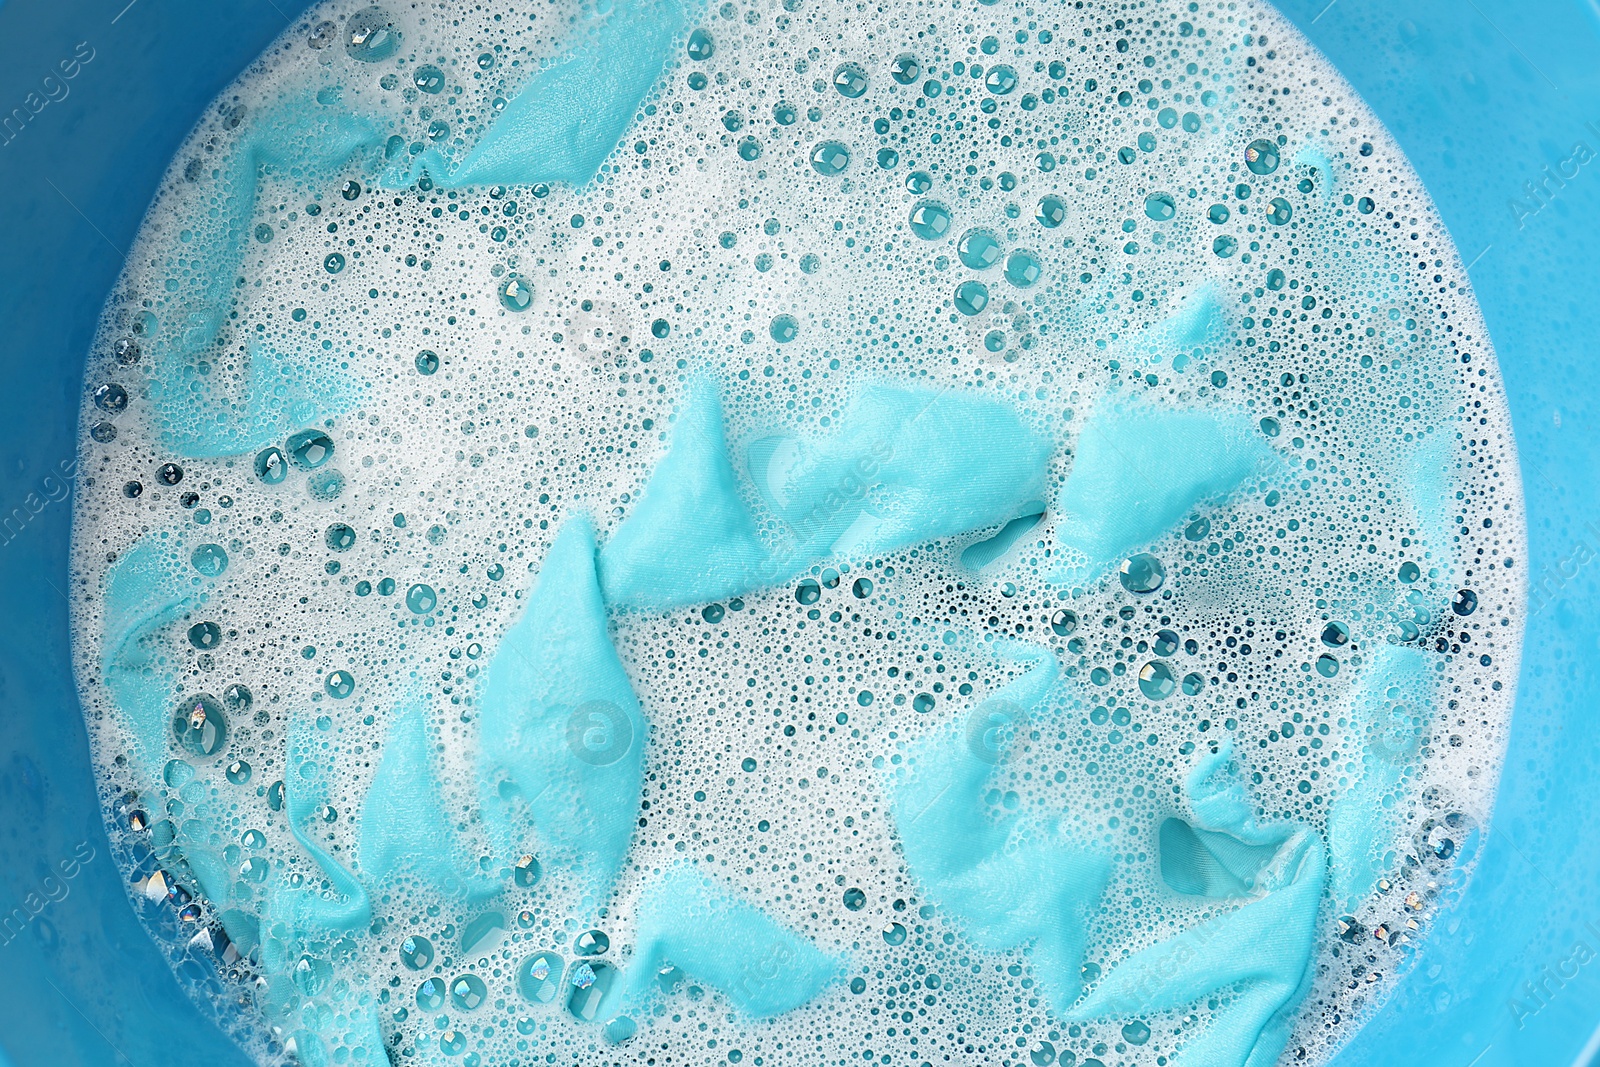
(1139, 471)
(403, 827)
(296, 912)
(570, 115)
(300, 923)
(689, 538)
(691, 923)
(1191, 332)
(142, 599)
(1257, 956)
(1207, 863)
(901, 466)
(1008, 881)
(1391, 706)
(561, 749)
(201, 412)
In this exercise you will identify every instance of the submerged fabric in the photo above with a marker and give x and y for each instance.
(569, 117)
(142, 598)
(1258, 955)
(1138, 473)
(403, 827)
(309, 768)
(299, 920)
(689, 539)
(902, 466)
(1208, 863)
(1012, 881)
(1189, 333)
(688, 922)
(1391, 705)
(205, 408)
(561, 747)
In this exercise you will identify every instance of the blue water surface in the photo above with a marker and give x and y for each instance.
(1482, 95)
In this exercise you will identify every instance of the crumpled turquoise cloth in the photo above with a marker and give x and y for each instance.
(1390, 707)
(1008, 882)
(1138, 472)
(563, 124)
(899, 467)
(403, 829)
(143, 597)
(1257, 957)
(689, 538)
(561, 736)
(687, 921)
(1191, 332)
(201, 412)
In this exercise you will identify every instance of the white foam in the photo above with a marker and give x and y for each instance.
(1371, 356)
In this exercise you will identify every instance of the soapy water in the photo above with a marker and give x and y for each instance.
(801, 533)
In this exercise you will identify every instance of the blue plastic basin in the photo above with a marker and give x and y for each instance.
(1484, 95)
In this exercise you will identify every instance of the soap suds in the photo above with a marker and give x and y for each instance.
(1119, 338)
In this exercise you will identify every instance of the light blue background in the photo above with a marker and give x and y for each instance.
(1481, 94)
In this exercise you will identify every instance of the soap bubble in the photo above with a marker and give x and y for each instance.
(591, 943)
(371, 35)
(431, 994)
(850, 80)
(209, 560)
(701, 47)
(1261, 157)
(1141, 573)
(1051, 212)
(200, 726)
(978, 249)
(971, 297)
(428, 79)
(829, 158)
(468, 992)
(784, 329)
(1000, 80)
(515, 293)
(416, 952)
(1023, 269)
(1157, 681)
(1161, 207)
(205, 635)
(270, 465)
(339, 684)
(527, 871)
(310, 449)
(930, 220)
(539, 978)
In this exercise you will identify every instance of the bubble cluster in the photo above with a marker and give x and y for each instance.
(1061, 207)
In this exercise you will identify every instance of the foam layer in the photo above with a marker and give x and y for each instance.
(794, 533)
